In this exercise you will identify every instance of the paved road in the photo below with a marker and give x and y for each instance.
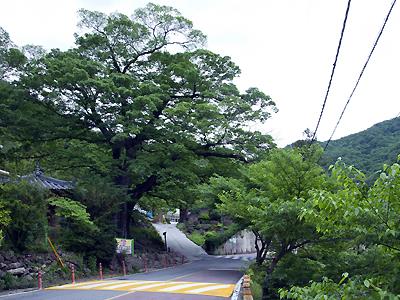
(206, 277)
(178, 242)
(210, 278)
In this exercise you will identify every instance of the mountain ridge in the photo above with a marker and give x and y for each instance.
(367, 150)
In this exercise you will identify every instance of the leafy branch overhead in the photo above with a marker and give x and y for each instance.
(71, 210)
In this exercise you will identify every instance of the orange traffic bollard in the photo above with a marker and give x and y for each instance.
(40, 283)
(73, 273)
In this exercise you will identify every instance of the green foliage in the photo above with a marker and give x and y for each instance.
(11, 58)
(99, 242)
(129, 120)
(270, 196)
(197, 238)
(365, 219)
(71, 210)
(205, 216)
(353, 208)
(92, 263)
(28, 226)
(257, 274)
(146, 238)
(181, 226)
(215, 239)
(345, 289)
(10, 282)
(367, 150)
(4, 219)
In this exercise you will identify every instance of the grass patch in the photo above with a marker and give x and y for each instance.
(197, 238)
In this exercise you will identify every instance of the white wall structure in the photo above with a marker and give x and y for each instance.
(241, 243)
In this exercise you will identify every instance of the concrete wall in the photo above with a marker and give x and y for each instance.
(242, 242)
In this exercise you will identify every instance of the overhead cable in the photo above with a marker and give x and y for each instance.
(333, 71)
(361, 73)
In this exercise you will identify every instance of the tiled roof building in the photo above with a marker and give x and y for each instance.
(38, 178)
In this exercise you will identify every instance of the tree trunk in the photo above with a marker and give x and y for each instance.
(267, 279)
(261, 252)
(183, 214)
(124, 214)
(123, 221)
(123, 179)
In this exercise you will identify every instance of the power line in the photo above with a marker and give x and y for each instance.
(361, 74)
(333, 70)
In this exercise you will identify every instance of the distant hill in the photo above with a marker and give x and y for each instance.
(367, 150)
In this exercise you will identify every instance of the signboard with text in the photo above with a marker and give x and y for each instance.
(125, 246)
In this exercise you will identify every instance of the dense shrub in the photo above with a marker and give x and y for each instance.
(197, 238)
(28, 209)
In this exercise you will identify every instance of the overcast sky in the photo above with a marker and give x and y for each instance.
(284, 47)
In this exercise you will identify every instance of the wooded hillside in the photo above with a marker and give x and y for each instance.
(368, 150)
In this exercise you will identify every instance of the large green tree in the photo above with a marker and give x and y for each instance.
(138, 94)
(269, 198)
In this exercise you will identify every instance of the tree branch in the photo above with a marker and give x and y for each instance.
(205, 153)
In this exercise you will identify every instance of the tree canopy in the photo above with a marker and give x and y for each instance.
(136, 105)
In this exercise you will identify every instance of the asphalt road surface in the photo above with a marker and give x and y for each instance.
(205, 277)
(208, 278)
(179, 243)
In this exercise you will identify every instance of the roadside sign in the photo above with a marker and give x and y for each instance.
(125, 246)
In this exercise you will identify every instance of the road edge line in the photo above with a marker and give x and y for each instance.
(121, 295)
(20, 293)
(236, 290)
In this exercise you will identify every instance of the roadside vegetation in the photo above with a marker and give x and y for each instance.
(367, 150)
(138, 113)
(321, 235)
(135, 113)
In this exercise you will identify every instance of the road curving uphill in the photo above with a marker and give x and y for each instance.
(178, 242)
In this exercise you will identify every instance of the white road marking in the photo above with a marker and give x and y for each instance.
(124, 284)
(181, 286)
(119, 296)
(209, 288)
(145, 287)
(22, 293)
(98, 284)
